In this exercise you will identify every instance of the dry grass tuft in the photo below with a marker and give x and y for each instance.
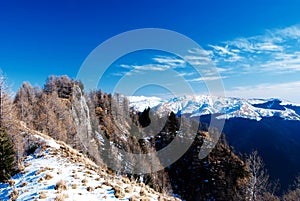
(42, 195)
(75, 176)
(14, 194)
(21, 168)
(90, 189)
(88, 172)
(119, 192)
(74, 186)
(145, 199)
(143, 192)
(107, 183)
(24, 184)
(126, 181)
(61, 197)
(61, 186)
(84, 182)
(11, 182)
(39, 172)
(48, 176)
(134, 198)
(128, 190)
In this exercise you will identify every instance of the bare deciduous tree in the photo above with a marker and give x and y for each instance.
(259, 185)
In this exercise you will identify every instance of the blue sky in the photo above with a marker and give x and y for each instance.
(255, 45)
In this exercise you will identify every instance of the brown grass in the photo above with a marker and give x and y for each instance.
(126, 181)
(107, 183)
(88, 172)
(39, 172)
(42, 195)
(75, 176)
(119, 192)
(11, 182)
(61, 186)
(128, 190)
(48, 176)
(90, 189)
(60, 198)
(21, 168)
(84, 182)
(14, 194)
(143, 192)
(145, 199)
(134, 198)
(24, 184)
(74, 186)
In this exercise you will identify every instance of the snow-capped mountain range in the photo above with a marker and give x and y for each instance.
(223, 107)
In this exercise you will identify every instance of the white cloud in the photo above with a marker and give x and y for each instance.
(202, 52)
(170, 61)
(288, 91)
(207, 78)
(150, 67)
(222, 50)
(276, 51)
(292, 32)
(186, 74)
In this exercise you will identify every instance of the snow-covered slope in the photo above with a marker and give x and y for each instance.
(223, 106)
(55, 171)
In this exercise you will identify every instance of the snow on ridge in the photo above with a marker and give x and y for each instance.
(79, 178)
(199, 105)
(141, 102)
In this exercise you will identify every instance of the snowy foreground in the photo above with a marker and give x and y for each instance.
(57, 172)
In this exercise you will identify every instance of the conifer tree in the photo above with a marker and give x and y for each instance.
(7, 156)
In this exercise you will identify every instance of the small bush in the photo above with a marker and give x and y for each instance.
(74, 186)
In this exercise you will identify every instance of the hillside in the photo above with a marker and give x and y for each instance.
(55, 171)
(80, 127)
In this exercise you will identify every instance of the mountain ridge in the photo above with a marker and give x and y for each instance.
(226, 107)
